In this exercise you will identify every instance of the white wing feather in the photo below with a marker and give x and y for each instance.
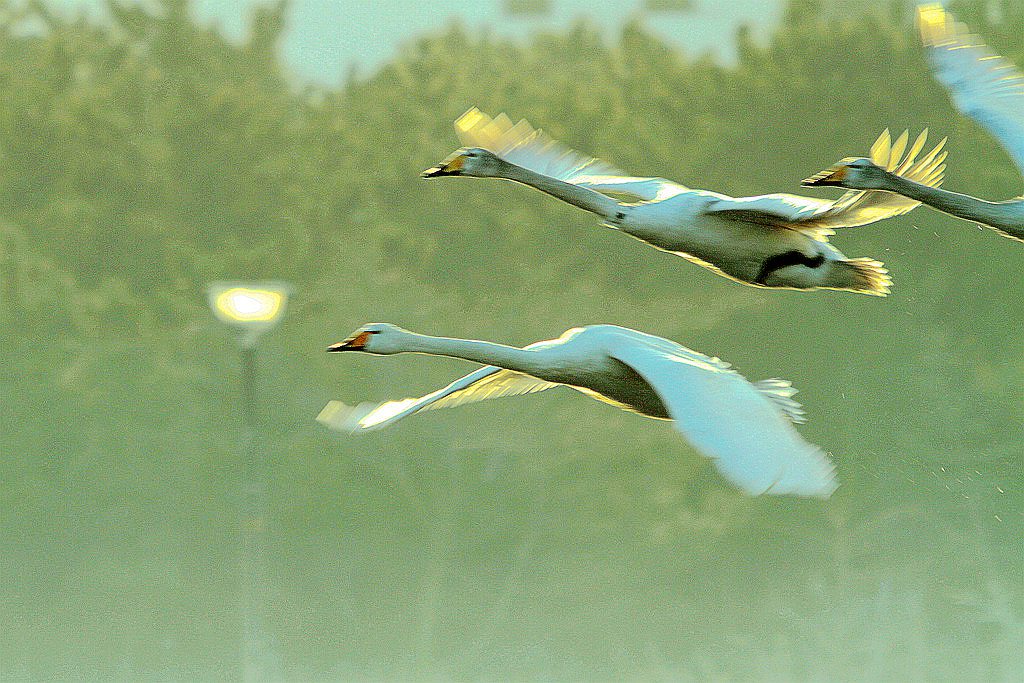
(744, 432)
(781, 392)
(535, 150)
(487, 382)
(819, 218)
(984, 86)
(631, 189)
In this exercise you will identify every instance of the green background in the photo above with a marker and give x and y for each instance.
(546, 538)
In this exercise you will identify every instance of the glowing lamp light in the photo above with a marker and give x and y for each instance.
(241, 304)
(252, 308)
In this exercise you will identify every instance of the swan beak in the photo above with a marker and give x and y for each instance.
(830, 176)
(451, 166)
(354, 343)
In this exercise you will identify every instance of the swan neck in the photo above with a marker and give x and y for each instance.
(995, 214)
(584, 198)
(485, 353)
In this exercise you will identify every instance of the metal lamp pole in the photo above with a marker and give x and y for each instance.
(252, 309)
(254, 507)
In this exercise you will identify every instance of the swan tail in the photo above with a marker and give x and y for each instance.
(863, 275)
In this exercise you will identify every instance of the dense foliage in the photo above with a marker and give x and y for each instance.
(551, 536)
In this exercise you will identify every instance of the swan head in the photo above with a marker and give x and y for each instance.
(468, 161)
(856, 173)
(382, 339)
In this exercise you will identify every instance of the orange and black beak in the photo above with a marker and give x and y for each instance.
(354, 343)
(830, 176)
(450, 166)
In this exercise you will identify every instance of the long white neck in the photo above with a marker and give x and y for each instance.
(1005, 216)
(586, 199)
(485, 353)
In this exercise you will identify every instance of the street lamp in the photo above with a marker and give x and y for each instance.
(251, 309)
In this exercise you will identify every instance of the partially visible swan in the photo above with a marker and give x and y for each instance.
(984, 86)
(773, 240)
(746, 429)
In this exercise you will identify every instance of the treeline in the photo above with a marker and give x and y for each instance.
(148, 151)
(146, 155)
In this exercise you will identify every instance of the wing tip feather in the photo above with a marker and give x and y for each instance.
(338, 416)
(814, 476)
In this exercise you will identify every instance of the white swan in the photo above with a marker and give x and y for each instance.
(984, 86)
(746, 429)
(773, 240)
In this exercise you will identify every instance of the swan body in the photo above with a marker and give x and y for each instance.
(773, 240)
(745, 428)
(984, 86)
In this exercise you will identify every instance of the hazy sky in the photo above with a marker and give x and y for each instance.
(326, 36)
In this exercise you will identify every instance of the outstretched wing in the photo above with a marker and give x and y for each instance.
(745, 429)
(487, 382)
(534, 149)
(857, 208)
(819, 218)
(984, 86)
(628, 189)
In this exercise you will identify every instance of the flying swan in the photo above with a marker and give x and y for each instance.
(772, 240)
(746, 429)
(984, 86)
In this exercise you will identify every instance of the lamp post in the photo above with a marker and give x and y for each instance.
(251, 309)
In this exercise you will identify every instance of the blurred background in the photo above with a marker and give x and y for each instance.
(148, 149)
